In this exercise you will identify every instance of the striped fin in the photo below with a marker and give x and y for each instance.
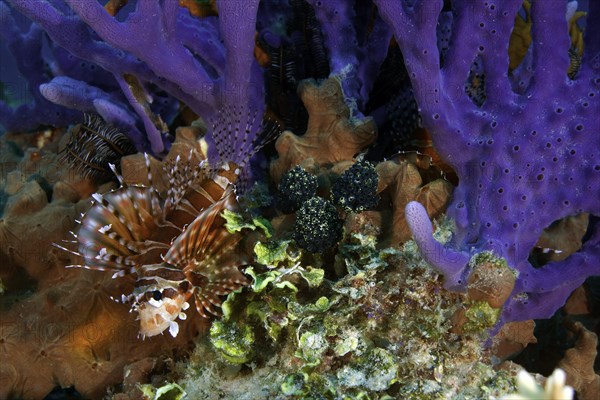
(206, 252)
(115, 233)
(93, 146)
(239, 133)
(182, 177)
(207, 300)
(198, 237)
(188, 194)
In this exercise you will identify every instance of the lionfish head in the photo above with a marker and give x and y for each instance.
(160, 304)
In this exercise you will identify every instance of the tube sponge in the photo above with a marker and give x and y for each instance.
(452, 264)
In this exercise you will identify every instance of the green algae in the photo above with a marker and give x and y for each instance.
(170, 391)
(236, 222)
(382, 330)
(480, 316)
(233, 342)
(488, 257)
(273, 253)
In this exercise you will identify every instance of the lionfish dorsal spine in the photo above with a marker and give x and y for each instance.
(238, 134)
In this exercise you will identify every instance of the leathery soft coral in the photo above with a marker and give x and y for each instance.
(206, 63)
(524, 160)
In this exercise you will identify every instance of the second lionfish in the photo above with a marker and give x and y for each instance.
(177, 246)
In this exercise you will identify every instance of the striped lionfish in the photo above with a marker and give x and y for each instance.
(178, 247)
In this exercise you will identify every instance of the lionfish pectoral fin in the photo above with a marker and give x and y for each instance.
(169, 224)
(185, 206)
(154, 245)
(84, 266)
(173, 328)
(198, 235)
(66, 250)
(200, 308)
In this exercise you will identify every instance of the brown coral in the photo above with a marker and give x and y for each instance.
(332, 141)
(332, 134)
(59, 326)
(492, 283)
(578, 364)
(513, 338)
(405, 183)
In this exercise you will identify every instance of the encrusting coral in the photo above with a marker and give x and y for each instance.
(578, 363)
(332, 134)
(383, 329)
(406, 182)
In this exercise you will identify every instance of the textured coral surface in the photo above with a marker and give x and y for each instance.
(524, 159)
(59, 326)
(332, 135)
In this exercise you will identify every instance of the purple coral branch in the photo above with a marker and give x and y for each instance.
(149, 33)
(197, 69)
(550, 35)
(525, 158)
(243, 79)
(547, 289)
(139, 99)
(79, 95)
(74, 94)
(72, 34)
(26, 47)
(355, 55)
(202, 39)
(336, 18)
(452, 264)
(373, 55)
(206, 63)
(414, 28)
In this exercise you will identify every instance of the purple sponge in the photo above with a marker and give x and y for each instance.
(525, 157)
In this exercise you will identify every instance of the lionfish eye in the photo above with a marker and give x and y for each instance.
(157, 295)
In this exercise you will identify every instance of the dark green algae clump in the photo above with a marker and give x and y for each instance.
(383, 330)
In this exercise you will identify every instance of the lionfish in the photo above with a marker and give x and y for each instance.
(178, 247)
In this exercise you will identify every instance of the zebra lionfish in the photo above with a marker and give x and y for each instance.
(178, 246)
